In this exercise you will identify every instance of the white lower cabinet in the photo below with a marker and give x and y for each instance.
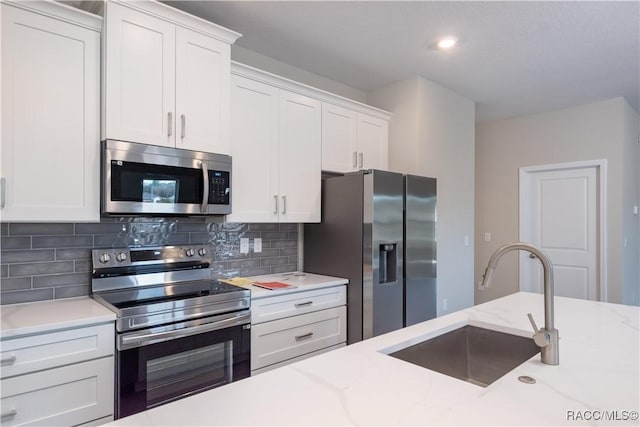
(61, 378)
(291, 327)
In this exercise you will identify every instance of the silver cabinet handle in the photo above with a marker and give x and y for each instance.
(169, 123)
(205, 188)
(361, 156)
(275, 209)
(12, 413)
(355, 159)
(3, 192)
(8, 360)
(304, 336)
(284, 205)
(183, 123)
(303, 304)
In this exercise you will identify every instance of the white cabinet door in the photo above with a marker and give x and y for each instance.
(373, 141)
(254, 135)
(50, 118)
(140, 77)
(68, 395)
(339, 139)
(300, 158)
(202, 92)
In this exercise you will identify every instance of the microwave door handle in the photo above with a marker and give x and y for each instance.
(205, 187)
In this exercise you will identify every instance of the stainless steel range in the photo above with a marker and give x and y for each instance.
(178, 331)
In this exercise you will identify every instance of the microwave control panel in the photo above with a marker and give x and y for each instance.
(219, 185)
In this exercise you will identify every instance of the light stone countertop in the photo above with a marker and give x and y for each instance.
(361, 385)
(301, 281)
(40, 317)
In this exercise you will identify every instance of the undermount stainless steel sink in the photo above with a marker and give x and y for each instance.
(470, 353)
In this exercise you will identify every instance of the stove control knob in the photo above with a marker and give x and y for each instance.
(189, 252)
(121, 257)
(105, 258)
(202, 251)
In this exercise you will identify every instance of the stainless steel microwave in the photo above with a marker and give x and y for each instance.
(141, 179)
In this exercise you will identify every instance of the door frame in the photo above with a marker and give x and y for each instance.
(525, 197)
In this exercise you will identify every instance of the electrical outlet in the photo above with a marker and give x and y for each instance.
(257, 244)
(244, 245)
(445, 304)
(487, 237)
(466, 240)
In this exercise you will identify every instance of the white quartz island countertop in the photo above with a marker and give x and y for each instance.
(596, 383)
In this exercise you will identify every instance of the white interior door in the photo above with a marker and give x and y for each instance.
(560, 215)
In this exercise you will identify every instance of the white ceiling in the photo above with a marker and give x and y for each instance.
(514, 58)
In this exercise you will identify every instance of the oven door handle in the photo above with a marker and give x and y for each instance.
(142, 338)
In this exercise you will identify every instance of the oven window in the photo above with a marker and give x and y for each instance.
(187, 371)
(158, 373)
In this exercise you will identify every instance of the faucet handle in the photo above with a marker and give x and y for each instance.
(541, 337)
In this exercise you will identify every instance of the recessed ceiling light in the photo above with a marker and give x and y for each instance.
(446, 43)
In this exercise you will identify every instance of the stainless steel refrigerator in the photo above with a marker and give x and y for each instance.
(378, 230)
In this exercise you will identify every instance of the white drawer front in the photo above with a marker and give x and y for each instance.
(295, 359)
(281, 306)
(65, 396)
(37, 352)
(284, 339)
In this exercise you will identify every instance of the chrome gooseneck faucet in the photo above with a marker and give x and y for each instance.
(546, 338)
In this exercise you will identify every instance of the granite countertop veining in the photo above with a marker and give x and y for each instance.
(361, 385)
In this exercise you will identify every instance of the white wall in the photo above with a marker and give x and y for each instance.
(586, 132)
(262, 62)
(432, 133)
(631, 198)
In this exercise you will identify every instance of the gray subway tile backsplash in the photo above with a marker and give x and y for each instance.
(44, 261)
(40, 268)
(27, 256)
(15, 243)
(30, 229)
(61, 241)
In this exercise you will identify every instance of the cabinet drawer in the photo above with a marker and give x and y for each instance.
(295, 359)
(284, 339)
(64, 396)
(278, 307)
(37, 352)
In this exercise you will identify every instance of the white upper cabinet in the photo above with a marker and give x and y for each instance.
(300, 153)
(352, 140)
(202, 92)
(167, 77)
(140, 77)
(50, 113)
(254, 138)
(275, 140)
(339, 138)
(373, 142)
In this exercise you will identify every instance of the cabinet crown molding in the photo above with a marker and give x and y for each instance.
(182, 19)
(59, 11)
(256, 74)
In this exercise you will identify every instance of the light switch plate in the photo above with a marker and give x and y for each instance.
(244, 245)
(257, 244)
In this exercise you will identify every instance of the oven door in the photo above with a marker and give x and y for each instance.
(163, 364)
(139, 178)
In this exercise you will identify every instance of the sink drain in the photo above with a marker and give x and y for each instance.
(527, 379)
